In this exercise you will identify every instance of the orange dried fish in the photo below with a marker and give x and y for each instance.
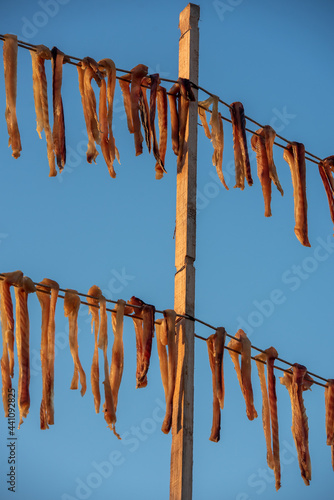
(71, 310)
(241, 158)
(144, 111)
(138, 325)
(329, 406)
(186, 95)
(326, 169)
(162, 121)
(297, 381)
(217, 133)
(93, 309)
(215, 344)
(269, 410)
(169, 318)
(107, 92)
(25, 287)
(243, 346)
(108, 405)
(58, 132)
(47, 297)
(137, 74)
(294, 155)
(174, 116)
(88, 71)
(10, 70)
(262, 143)
(38, 57)
(7, 329)
(215, 429)
(160, 327)
(117, 356)
(124, 83)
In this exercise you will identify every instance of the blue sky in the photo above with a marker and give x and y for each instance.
(84, 228)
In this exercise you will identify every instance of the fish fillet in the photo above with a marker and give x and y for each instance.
(262, 143)
(7, 329)
(137, 74)
(241, 158)
(329, 405)
(22, 344)
(326, 169)
(10, 70)
(215, 429)
(174, 116)
(144, 111)
(186, 95)
(296, 382)
(107, 92)
(217, 132)
(148, 313)
(160, 325)
(58, 132)
(294, 155)
(162, 123)
(48, 300)
(40, 89)
(269, 411)
(88, 71)
(71, 310)
(108, 405)
(139, 332)
(117, 356)
(170, 316)
(93, 309)
(243, 346)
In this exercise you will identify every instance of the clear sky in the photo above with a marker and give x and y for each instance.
(83, 228)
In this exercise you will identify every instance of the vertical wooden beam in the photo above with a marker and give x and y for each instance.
(185, 254)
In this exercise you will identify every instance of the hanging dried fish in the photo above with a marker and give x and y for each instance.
(87, 71)
(215, 344)
(40, 89)
(241, 158)
(58, 132)
(269, 410)
(93, 309)
(162, 121)
(243, 346)
(71, 310)
(25, 287)
(169, 318)
(138, 325)
(7, 329)
(107, 92)
(294, 155)
(262, 143)
(10, 69)
(117, 356)
(326, 169)
(297, 381)
(108, 405)
(47, 296)
(329, 405)
(217, 133)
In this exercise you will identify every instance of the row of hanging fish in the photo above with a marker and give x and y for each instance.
(47, 292)
(141, 114)
(295, 379)
(262, 142)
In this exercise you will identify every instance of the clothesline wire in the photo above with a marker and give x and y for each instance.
(30, 46)
(185, 316)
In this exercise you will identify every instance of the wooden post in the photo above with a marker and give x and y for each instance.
(185, 254)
